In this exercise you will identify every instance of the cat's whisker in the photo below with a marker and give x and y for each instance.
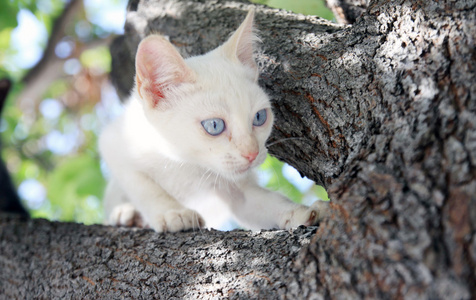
(219, 181)
(215, 184)
(276, 176)
(209, 174)
(167, 164)
(196, 218)
(285, 140)
(274, 171)
(201, 178)
(232, 179)
(154, 175)
(278, 157)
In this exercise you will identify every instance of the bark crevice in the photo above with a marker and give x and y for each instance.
(382, 112)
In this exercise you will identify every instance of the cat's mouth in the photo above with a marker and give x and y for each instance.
(243, 170)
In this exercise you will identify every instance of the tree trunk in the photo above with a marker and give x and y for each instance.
(382, 112)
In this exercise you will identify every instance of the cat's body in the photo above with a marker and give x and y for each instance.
(192, 131)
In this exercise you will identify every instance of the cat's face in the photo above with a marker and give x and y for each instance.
(221, 123)
(209, 108)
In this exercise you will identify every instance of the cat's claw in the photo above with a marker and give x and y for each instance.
(307, 216)
(177, 220)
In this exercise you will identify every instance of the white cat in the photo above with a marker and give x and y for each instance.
(192, 130)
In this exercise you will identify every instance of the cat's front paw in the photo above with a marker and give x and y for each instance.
(304, 215)
(125, 215)
(177, 220)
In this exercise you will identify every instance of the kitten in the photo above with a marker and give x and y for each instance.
(193, 130)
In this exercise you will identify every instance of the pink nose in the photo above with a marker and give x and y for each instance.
(250, 156)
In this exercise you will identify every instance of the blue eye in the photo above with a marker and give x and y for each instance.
(260, 118)
(214, 126)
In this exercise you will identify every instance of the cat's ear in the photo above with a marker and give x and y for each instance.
(240, 46)
(159, 69)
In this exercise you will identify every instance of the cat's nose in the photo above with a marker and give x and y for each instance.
(250, 156)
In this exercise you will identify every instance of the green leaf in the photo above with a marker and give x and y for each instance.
(72, 181)
(265, 2)
(5, 35)
(8, 14)
(99, 58)
(321, 192)
(306, 7)
(278, 182)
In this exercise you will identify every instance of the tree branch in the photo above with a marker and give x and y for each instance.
(283, 72)
(383, 114)
(110, 263)
(57, 33)
(382, 111)
(50, 66)
(347, 11)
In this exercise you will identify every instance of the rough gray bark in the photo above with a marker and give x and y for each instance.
(40, 259)
(347, 11)
(286, 57)
(382, 112)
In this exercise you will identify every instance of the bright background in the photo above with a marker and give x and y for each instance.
(51, 148)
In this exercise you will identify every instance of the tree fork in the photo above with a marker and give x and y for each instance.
(381, 112)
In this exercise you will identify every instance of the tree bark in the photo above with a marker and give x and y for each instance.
(381, 112)
(347, 11)
(46, 260)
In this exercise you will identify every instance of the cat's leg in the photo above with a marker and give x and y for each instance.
(117, 208)
(158, 209)
(258, 208)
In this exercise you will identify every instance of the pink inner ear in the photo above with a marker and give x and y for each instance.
(147, 89)
(159, 66)
(157, 95)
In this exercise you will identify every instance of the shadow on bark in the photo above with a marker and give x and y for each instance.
(68, 260)
(382, 112)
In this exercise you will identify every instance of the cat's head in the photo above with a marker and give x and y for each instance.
(208, 108)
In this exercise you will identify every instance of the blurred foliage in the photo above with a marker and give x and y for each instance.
(44, 10)
(280, 177)
(306, 7)
(51, 149)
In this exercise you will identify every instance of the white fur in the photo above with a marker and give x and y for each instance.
(163, 163)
